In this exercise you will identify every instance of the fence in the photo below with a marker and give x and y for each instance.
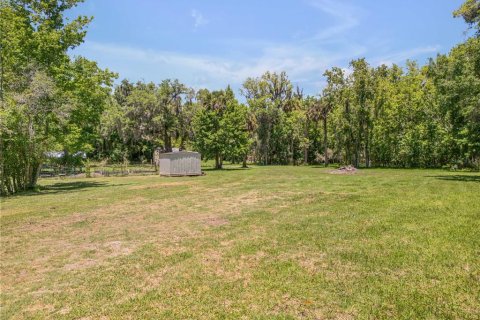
(94, 170)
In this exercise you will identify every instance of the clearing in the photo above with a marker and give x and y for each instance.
(265, 243)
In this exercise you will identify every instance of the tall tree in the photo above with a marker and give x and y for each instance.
(46, 97)
(170, 95)
(271, 97)
(221, 127)
(332, 96)
(362, 87)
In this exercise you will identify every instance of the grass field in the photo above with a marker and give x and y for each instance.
(262, 243)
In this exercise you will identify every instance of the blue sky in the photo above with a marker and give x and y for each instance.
(212, 43)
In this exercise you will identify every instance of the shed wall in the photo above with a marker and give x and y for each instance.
(164, 165)
(180, 164)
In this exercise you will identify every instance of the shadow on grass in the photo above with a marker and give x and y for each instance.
(464, 178)
(225, 169)
(63, 187)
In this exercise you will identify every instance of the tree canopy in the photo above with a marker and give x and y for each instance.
(48, 100)
(366, 115)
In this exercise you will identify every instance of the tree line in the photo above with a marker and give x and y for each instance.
(391, 116)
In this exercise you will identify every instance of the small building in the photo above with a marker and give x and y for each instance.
(182, 163)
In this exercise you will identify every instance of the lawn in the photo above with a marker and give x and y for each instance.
(263, 243)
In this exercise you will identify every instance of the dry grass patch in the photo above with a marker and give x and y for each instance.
(162, 185)
(84, 240)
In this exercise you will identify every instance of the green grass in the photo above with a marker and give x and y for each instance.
(263, 243)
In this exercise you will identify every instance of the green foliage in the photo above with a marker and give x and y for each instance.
(220, 127)
(48, 101)
(470, 12)
(143, 116)
(420, 117)
(88, 169)
(384, 116)
(271, 100)
(457, 80)
(369, 116)
(26, 132)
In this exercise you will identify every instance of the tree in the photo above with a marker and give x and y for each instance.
(142, 124)
(26, 132)
(457, 82)
(146, 116)
(251, 127)
(48, 100)
(332, 95)
(88, 90)
(221, 126)
(470, 12)
(169, 97)
(362, 88)
(271, 98)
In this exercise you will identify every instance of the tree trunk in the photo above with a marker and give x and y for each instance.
(357, 154)
(325, 141)
(33, 165)
(167, 140)
(3, 177)
(33, 174)
(292, 153)
(367, 148)
(305, 148)
(182, 142)
(244, 164)
(218, 161)
(357, 147)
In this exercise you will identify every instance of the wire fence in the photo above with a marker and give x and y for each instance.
(55, 170)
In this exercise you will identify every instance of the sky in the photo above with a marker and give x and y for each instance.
(215, 43)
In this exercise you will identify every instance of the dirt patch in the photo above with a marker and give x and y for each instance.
(161, 185)
(345, 170)
(231, 270)
(117, 248)
(99, 254)
(64, 311)
(40, 307)
(216, 221)
(300, 308)
(80, 265)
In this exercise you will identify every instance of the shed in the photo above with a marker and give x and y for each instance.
(182, 163)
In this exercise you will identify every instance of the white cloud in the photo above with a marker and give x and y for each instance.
(302, 64)
(198, 18)
(304, 59)
(346, 18)
(402, 56)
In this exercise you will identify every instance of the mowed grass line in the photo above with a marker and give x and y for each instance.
(263, 243)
